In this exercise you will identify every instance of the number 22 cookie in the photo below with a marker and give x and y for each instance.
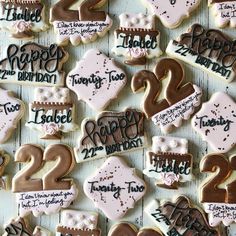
(52, 191)
(180, 100)
(84, 24)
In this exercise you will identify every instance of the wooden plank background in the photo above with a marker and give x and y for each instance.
(23, 134)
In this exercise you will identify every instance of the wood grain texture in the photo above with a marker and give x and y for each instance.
(197, 147)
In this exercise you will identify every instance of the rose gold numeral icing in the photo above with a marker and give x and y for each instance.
(96, 79)
(137, 39)
(19, 227)
(52, 112)
(114, 188)
(22, 18)
(172, 12)
(4, 160)
(51, 192)
(11, 111)
(81, 223)
(179, 218)
(218, 193)
(99, 137)
(33, 64)
(180, 99)
(224, 12)
(169, 162)
(216, 122)
(84, 24)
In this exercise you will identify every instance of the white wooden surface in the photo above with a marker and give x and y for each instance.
(23, 134)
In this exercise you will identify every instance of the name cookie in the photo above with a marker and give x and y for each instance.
(52, 191)
(180, 99)
(179, 217)
(19, 227)
(127, 229)
(4, 160)
(81, 223)
(82, 24)
(111, 133)
(96, 79)
(216, 122)
(52, 112)
(217, 193)
(137, 38)
(172, 12)
(22, 17)
(169, 162)
(11, 111)
(210, 50)
(114, 188)
(33, 64)
(224, 12)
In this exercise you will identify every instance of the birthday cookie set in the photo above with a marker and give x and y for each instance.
(42, 184)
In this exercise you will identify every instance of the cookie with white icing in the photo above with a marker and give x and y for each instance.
(96, 79)
(79, 23)
(216, 122)
(172, 12)
(11, 111)
(114, 188)
(137, 38)
(52, 112)
(22, 17)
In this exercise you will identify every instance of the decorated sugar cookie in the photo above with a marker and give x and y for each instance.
(4, 160)
(137, 38)
(45, 192)
(169, 162)
(180, 99)
(22, 17)
(11, 111)
(217, 193)
(216, 122)
(19, 227)
(179, 217)
(172, 12)
(33, 64)
(126, 229)
(52, 112)
(79, 23)
(114, 188)
(196, 47)
(111, 133)
(81, 223)
(224, 12)
(96, 79)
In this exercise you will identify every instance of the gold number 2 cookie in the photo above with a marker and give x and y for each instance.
(51, 192)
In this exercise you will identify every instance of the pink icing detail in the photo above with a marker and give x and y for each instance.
(137, 52)
(22, 26)
(169, 178)
(51, 128)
